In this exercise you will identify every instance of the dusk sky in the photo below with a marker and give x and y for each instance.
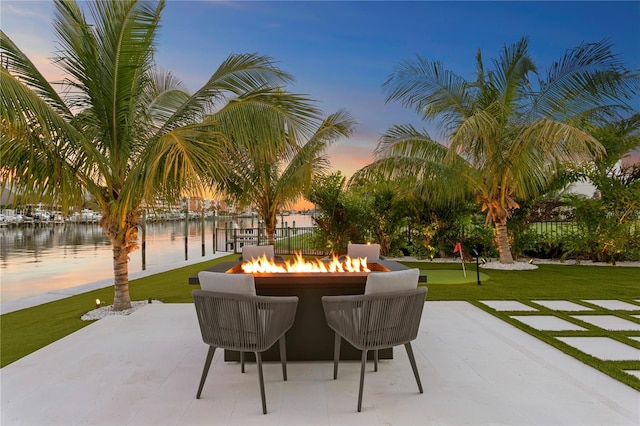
(341, 52)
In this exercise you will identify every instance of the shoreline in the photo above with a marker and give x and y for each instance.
(51, 296)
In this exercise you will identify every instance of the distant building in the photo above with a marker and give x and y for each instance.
(195, 204)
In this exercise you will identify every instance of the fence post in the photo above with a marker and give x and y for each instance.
(235, 240)
(215, 232)
(144, 240)
(186, 235)
(202, 229)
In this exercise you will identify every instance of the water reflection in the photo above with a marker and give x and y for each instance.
(35, 260)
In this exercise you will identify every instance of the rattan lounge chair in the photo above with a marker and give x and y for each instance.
(242, 322)
(378, 319)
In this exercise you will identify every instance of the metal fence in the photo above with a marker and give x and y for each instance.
(291, 240)
(554, 229)
(287, 240)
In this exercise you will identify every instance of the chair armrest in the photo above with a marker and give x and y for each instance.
(376, 321)
(243, 322)
(277, 314)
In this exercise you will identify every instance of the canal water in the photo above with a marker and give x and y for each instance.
(36, 260)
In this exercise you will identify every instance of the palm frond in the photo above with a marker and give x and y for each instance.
(430, 90)
(22, 69)
(309, 160)
(165, 95)
(180, 160)
(587, 76)
(512, 70)
(109, 63)
(237, 75)
(407, 141)
(268, 120)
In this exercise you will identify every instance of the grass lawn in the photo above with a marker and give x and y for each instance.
(28, 330)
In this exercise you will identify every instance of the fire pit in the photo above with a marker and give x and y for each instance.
(310, 338)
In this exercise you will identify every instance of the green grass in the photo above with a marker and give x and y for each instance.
(449, 276)
(28, 330)
(547, 282)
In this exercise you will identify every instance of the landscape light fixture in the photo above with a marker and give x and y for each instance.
(98, 303)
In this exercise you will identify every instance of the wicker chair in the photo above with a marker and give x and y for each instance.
(244, 323)
(374, 321)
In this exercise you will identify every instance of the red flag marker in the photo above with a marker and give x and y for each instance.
(458, 248)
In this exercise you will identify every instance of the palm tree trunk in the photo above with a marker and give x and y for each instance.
(122, 243)
(121, 298)
(271, 230)
(503, 242)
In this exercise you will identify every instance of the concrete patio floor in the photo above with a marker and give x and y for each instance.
(144, 369)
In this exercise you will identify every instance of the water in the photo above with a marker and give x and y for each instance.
(36, 260)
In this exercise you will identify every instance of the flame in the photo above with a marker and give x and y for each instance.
(299, 264)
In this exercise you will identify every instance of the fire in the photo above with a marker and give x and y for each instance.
(299, 264)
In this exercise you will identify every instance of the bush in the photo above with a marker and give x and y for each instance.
(532, 243)
(473, 234)
(603, 236)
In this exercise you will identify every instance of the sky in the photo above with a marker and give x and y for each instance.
(341, 52)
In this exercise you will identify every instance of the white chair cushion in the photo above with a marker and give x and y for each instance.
(220, 282)
(257, 251)
(384, 282)
(370, 251)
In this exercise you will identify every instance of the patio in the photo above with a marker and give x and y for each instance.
(144, 369)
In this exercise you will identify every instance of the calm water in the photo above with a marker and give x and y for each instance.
(35, 260)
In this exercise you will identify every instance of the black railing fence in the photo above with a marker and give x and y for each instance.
(286, 240)
(304, 239)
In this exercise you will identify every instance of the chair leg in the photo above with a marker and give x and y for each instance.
(375, 360)
(283, 357)
(242, 362)
(362, 368)
(412, 360)
(261, 379)
(205, 371)
(336, 355)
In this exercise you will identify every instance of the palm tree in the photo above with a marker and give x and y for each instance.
(123, 132)
(274, 178)
(506, 135)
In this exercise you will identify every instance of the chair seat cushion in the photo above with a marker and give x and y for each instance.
(220, 282)
(383, 282)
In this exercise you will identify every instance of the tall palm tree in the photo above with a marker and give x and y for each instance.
(274, 178)
(123, 132)
(505, 134)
